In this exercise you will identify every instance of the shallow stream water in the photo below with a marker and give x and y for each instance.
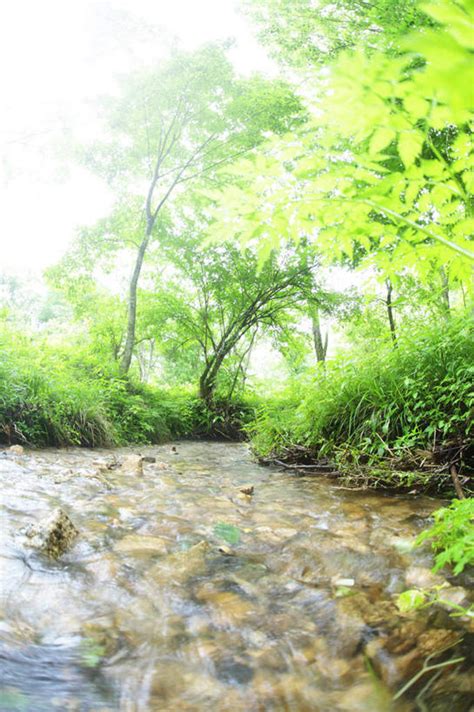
(182, 593)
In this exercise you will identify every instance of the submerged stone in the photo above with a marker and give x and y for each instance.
(420, 577)
(181, 565)
(133, 464)
(232, 671)
(139, 545)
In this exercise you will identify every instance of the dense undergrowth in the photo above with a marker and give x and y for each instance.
(402, 409)
(66, 396)
(390, 412)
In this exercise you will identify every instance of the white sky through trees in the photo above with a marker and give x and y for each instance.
(57, 57)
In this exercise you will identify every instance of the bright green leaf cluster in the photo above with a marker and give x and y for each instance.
(452, 535)
(383, 171)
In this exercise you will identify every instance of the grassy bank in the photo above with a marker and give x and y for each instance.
(380, 415)
(393, 410)
(66, 396)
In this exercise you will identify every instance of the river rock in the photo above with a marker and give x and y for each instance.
(405, 637)
(365, 697)
(247, 489)
(290, 692)
(453, 596)
(172, 686)
(226, 550)
(226, 607)
(133, 464)
(339, 581)
(420, 577)
(54, 535)
(102, 633)
(415, 647)
(392, 670)
(16, 449)
(436, 640)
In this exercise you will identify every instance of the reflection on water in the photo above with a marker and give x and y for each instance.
(183, 593)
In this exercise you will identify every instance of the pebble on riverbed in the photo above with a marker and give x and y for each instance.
(54, 535)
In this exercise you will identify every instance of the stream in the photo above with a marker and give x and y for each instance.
(183, 593)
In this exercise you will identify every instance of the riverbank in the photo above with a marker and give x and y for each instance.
(396, 419)
(391, 475)
(60, 397)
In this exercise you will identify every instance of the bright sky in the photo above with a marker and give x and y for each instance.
(57, 56)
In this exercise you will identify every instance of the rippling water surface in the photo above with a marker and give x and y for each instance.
(158, 607)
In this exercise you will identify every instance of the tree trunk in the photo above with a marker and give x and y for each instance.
(391, 317)
(320, 343)
(445, 292)
(207, 382)
(132, 305)
(241, 367)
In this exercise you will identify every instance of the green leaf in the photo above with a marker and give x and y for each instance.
(416, 106)
(458, 23)
(410, 144)
(91, 653)
(344, 591)
(410, 600)
(381, 138)
(229, 532)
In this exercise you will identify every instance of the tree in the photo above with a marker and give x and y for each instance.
(219, 299)
(304, 33)
(320, 342)
(202, 308)
(172, 126)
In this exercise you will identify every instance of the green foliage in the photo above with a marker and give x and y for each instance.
(274, 426)
(71, 396)
(303, 32)
(381, 404)
(452, 535)
(188, 113)
(384, 167)
(42, 399)
(194, 316)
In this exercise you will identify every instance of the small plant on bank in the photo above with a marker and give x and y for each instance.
(452, 535)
